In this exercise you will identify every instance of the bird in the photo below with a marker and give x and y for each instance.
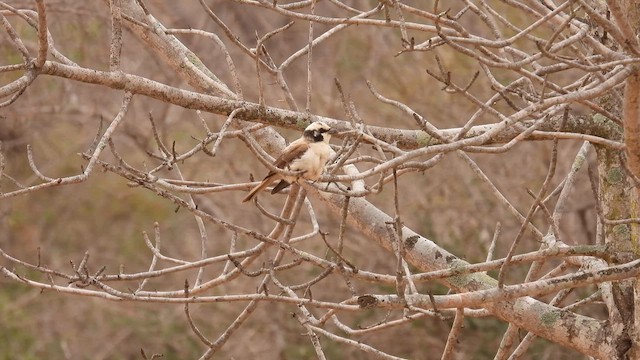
(307, 156)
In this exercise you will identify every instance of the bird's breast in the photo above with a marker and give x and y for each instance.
(312, 162)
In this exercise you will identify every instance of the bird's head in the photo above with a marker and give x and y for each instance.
(318, 131)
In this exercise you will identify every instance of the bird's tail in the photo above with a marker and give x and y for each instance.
(257, 189)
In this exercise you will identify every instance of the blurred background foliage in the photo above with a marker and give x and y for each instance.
(105, 217)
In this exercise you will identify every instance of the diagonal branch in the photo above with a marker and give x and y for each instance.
(427, 256)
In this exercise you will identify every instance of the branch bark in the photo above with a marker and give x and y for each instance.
(527, 313)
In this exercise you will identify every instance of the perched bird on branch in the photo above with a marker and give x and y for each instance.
(306, 156)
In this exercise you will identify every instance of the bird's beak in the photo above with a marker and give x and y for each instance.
(332, 131)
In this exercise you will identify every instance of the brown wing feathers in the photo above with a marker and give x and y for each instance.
(294, 151)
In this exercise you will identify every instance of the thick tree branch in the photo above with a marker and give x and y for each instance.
(427, 256)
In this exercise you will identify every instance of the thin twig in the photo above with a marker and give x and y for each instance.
(454, 335)
(192, 324)
(115, 49)
(309, 58)
(494, 241)
(43, 40)
(536, 203)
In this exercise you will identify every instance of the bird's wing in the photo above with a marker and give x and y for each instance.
(294, 151)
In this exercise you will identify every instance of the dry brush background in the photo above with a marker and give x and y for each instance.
(105, 216)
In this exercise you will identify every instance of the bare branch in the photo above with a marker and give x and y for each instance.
(454, 335)
(116, 35)
(43, 41)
